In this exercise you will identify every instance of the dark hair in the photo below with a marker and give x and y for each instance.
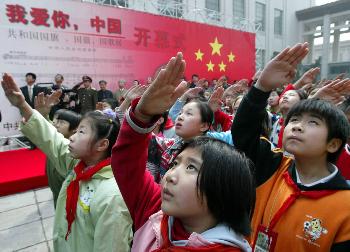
(104, 128)
(59, 75)
(302, 94)
(207, 115)
(165, 117)
(345, 106)
(226, 181)
(112, 102)
(102, 81)
(195, 75)
(31, 74)
(336, 121)
(71, 117)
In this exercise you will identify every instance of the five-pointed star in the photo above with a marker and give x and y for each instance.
(216, 46)
(199, 55)
(222, 67)
(231, 57)
(210, 66)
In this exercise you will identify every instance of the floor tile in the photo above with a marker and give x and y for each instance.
(43, 194)
(16, 200)
(46, 209)
(41, 247)
(19, 216)
(48, 227)
(21, 237)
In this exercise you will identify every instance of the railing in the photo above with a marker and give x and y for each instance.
(178, 9)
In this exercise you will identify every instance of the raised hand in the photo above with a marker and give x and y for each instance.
(191, 93)
(163, 91)
(308, 78)
(43, 103)
(15, 96)
(334, 91)
(281, 69)
(134, 92)
(12, 91)
(215, 99)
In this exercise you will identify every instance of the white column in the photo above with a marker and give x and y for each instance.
(325, 47)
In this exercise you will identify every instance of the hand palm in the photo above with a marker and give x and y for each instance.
(12, 92)
(275, 74)
(164, 90)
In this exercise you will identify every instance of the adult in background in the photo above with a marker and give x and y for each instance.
(86, 95)
(103, 93)
(121, 91)
(195, 79)
(31, 90)
(64, 99)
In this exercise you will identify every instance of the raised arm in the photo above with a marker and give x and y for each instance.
(246, 127)
(141, 194)
(38, 129)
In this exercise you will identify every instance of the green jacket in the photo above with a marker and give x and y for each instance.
(102, 222)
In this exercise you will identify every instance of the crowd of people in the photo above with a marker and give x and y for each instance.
(255, 165)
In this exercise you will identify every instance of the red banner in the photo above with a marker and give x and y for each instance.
(135, 44)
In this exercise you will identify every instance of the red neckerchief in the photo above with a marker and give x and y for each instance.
(296, 194)
(168, 247)
(280, 133)
(73, 188)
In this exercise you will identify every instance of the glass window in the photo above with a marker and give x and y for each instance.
(172, 8)
(239, 8)
(278, 27)
(212, 5)
(260, 15)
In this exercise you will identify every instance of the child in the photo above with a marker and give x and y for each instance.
(343, 162)
(205, 199)
(90, 214)
(301, 204)
(273, 102)
(66, 122)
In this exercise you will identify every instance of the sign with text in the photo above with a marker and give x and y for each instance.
(74, 38)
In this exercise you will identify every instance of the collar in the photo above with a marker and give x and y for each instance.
(335, 183)
(322, 180)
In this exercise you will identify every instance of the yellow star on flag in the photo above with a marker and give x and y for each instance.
(222, 67)
(210, 66)
(231, 57)
(199, 55)
(216, 46)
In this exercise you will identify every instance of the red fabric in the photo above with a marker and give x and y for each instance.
(343, 164)
(141, 194)
(178, 232)
(168, 247)
(280, 134)
(288, 87)
(22, 170)
(169, 124)
(292, 198)
(73, 188)
(223, 119)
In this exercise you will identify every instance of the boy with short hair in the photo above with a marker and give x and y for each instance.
(302, 204)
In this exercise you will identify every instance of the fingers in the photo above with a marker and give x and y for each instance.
(299, 54)
(179, 90)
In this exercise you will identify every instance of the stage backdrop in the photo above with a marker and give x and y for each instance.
(73, 38)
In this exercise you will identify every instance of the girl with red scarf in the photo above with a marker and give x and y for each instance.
(205, 199)
(90, 212)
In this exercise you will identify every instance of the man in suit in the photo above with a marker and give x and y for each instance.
(121, 91)
(103, 93)
(30, 90)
